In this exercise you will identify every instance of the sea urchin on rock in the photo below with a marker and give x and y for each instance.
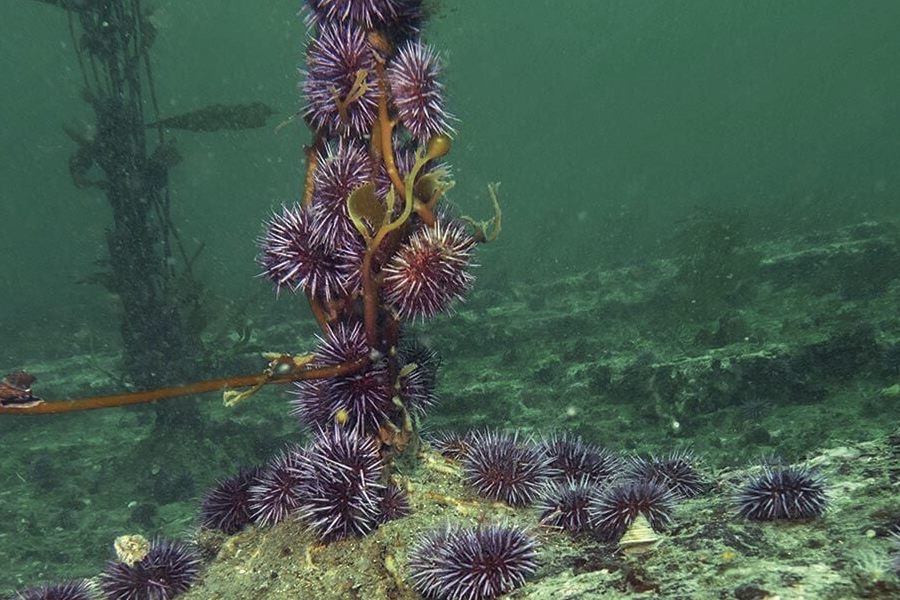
(564, 504)
(616, 508)
(504, 467)
(783, 493)
(394, 504)
(575, 459)
(676, 471)
(341, 473)
(279, 490)
(227, 506)
(168, 569)
(472, 564)
(69, 590)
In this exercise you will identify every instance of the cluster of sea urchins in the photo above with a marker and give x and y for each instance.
(165, 571)
(160, 571)
(368, 245)
(374, 101)
(580, 487)
(334, 483)
(369, 248)
(576, 486)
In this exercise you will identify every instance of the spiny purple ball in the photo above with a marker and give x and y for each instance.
(362, 13)
(342, 168)
(70, 590)
(450, 444)
(504, 467)
(340, 65)
(676, 471)
(310, 403)
(575, 459)
(365, 397)
(341, 472)
(169, 569)
(417, 93)
(783, 493)
(291, 257)
(344, 342)
(394, 504)
(564, 504)
(279, 490)
(227, 506)
(616, 507)
(429, 271)
(472, 564)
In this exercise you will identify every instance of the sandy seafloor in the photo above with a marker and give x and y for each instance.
(787, 347)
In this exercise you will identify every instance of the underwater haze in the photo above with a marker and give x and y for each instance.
(700, 249)
(606, 122)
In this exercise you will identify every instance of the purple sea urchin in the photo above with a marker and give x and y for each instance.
(472, 564)
(227, 506)
(418, 94)
(341, 472)
(344, 342)
(363, 13)
(504, 467)
(417, 388)
(309, 402)
(394, 504)
(574, 459)
(783, 493)
(430, 271)
(168, 569)
(450, 444)
(340, 84)
(364, 398)
(69, 590)
(615, 508)
(291, 258)
(564, 504)
(427, 557)
(343, 167)
(675, 471)
(279, 489)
